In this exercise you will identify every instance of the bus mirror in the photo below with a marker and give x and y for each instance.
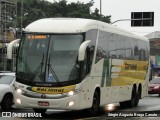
(82, 50)
(10, 48)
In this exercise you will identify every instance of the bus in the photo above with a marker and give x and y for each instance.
(77, 64)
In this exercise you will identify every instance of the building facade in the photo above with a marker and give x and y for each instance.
(8, 14)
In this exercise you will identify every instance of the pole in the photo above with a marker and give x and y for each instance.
(131, 19)
(100, 7)
(21, 16)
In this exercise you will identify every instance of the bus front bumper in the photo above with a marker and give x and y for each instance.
(66, 103)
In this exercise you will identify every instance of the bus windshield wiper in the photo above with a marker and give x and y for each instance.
(52, 71)
(40, 66)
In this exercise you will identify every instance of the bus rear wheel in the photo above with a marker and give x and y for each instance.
(133, 102)
(134, 99)
(39, 110)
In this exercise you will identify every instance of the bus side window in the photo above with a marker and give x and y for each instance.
(99, 54)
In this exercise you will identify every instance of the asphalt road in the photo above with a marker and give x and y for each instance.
(149, 108)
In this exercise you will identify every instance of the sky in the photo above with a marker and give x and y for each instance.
(121, 9)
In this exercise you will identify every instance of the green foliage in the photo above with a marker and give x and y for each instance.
(37, 9)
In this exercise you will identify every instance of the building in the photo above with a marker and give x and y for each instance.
(8, 14)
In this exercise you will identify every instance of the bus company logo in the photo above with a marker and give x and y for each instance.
(52, 90)
(48, 90)
(43, 96)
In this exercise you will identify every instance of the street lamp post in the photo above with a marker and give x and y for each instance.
(131, 19)
(100, 7)
(21, 16)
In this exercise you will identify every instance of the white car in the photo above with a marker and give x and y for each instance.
(6, 90)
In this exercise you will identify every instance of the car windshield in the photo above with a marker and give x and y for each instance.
(155, 81)
(6, 79)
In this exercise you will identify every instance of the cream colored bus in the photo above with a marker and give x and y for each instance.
(75, 64)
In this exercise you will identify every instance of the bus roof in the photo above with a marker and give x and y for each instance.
(74, 25)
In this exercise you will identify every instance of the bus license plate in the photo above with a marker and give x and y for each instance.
(43, 103)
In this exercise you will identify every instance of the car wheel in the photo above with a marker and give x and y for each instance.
(7, 102)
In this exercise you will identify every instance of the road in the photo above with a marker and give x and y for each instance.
(149, 108)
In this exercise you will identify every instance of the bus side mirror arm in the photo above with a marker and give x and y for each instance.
(82, 50)
(10, 47)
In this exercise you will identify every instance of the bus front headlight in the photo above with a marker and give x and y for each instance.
(70, 93)
(73, 92)
(20, 91)
(71, 103)
(18, 101)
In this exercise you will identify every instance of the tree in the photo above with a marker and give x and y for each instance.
(37, 9)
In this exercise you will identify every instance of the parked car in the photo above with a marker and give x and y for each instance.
(154, 86)
(6, 90)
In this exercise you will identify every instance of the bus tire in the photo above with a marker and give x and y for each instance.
(133, 102)
(138, 96)
(94, 110)
(123, 104)
(134, 99)
(39, 110)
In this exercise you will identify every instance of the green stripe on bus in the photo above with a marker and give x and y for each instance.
(105, 73)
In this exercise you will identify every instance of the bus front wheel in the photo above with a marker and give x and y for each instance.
(94, 110)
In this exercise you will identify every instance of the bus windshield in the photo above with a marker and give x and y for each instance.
(49, 58)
